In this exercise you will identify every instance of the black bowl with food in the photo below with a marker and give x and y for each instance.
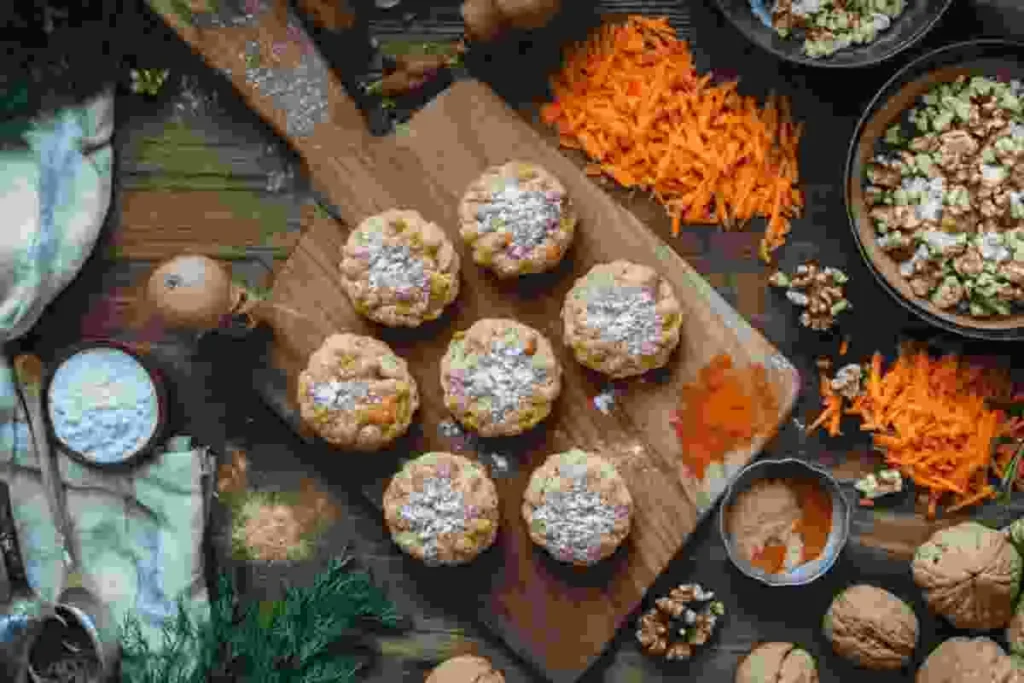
(935, 188)
(105, 405)
(818, 33)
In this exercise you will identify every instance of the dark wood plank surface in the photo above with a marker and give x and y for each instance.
(210, 376)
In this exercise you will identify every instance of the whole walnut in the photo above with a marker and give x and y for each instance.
(1015, 634)
(970, 574)
(967, 660)
(777, 663)
(466, 669)
(871, 627)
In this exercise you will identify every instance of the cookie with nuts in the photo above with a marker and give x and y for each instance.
(517, 219)
(442, 508)
(500, 377)
(399, 269)
(679, 623)
(577, 507)
(356, 393)
(622, 319)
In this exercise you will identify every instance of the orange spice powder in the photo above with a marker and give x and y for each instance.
(725, 408)
(771, 559)
(816, 517)
(813, 526)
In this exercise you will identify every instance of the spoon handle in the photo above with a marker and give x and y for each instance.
(28, 370)
(12, 559)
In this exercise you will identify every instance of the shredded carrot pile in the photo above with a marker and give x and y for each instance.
(722, 410)
(630, 98)
(933, 420)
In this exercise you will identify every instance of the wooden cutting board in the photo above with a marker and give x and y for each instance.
(556, 617)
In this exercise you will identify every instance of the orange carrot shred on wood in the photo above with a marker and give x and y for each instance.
(630, 97)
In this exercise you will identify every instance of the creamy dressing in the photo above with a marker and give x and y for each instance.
(907, 267)
(991, 247)
(938, 239)
(804, 7)
(881, 21)
(930, 206)
(992, 174)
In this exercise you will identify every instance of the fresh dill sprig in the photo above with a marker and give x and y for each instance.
(313, 635)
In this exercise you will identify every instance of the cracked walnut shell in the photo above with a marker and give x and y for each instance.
(968, 660)
(777, 663)
(872, 628)
(970, 574)
(466, 669)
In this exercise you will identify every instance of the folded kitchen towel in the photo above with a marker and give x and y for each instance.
(55, 184)
(140, 532)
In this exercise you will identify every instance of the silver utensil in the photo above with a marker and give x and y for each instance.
(72, 594)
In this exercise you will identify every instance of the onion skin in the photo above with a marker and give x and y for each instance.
(191, 291)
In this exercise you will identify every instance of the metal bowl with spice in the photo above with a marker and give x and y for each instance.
(105, 405)
(784, 522)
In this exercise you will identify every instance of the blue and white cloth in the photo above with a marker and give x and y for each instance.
(141, 532)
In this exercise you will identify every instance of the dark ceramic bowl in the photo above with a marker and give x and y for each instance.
(907, 29)
(788, 468)
(131, 459)
(992, 58)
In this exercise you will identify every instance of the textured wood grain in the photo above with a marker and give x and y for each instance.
(535, 604)
(531, 602)
(160, 224)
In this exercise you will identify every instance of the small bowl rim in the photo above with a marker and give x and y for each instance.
(159, 386)
(835, 490)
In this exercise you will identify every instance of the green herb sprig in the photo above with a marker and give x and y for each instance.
(316, 634)
(148, 81)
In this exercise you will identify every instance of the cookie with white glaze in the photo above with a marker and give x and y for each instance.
(399, 269)
(356, 393)
(500, 377)
(622, 319)
(442, 509)
(517, 219)
(577, 507)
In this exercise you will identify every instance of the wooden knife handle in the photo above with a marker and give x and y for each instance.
(9, 546)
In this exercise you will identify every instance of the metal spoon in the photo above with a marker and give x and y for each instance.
(72, 593)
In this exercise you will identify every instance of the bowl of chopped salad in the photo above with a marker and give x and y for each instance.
(834, 33)
(935, 188)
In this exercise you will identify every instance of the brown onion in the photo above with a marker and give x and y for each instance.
(192, 290)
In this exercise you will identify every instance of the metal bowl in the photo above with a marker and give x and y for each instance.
(788, 468)
(907, 29)
(129, 460)
(989, 57)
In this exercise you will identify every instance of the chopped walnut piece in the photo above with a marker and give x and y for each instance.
(679, 622)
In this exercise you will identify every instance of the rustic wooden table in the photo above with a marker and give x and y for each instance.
(209, 176)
